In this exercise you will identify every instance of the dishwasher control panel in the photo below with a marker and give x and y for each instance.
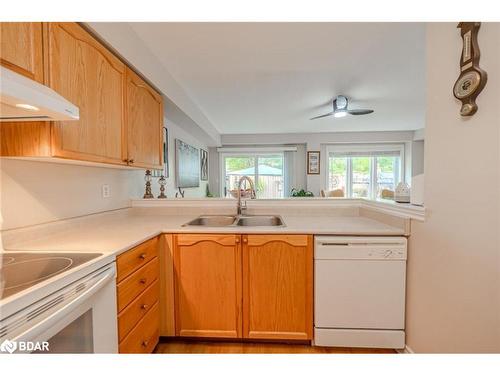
(388, 253)
(370, 248)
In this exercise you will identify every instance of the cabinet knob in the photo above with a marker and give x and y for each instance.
(145, 343)
(143, 280)
(144, 306)
(245, 240)
(237, 240)
(142, 256)
(131, 161)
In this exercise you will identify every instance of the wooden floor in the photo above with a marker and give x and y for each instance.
(218, 347)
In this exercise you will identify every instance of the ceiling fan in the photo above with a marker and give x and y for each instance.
(340, 109)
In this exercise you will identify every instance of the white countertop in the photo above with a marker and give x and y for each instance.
(117, 231)
(114, 232)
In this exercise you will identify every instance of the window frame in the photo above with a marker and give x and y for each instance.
(256, 155)
(343, 150)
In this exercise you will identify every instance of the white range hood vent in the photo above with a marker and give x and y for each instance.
(22, 99)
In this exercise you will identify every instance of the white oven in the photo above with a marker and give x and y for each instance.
(79, 318)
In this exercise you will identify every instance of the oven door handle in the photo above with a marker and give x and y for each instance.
(66, 309)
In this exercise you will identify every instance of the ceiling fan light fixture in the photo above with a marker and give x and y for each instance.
(341, 109)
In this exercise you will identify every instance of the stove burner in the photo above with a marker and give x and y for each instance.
(33, 271)
(20, 270)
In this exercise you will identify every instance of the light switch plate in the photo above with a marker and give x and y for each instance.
(106, 191)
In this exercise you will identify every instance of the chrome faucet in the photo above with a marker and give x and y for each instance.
(252, 193)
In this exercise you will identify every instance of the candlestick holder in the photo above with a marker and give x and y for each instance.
(148, 178)
(162, 181)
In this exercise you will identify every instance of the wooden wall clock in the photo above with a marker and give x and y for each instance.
(472, 78)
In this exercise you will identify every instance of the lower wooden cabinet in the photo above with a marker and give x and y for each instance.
(138, 298)
(278, 287)
(144, 336)
(208, 285)
(248, 286)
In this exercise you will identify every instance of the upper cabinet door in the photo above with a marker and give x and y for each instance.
(83, 71)
(144, 123)
(207, 285)
(21, 48)
(277, 287)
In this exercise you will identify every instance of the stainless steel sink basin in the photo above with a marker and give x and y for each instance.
(260, 221)
(239, 221)
(212, 221)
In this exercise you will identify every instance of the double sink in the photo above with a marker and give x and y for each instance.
(237, 221)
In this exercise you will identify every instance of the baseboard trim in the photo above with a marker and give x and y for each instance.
(406, 350)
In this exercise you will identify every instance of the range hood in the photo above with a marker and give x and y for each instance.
(22, 99)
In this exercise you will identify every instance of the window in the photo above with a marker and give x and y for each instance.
(265, 170)
(365, 171)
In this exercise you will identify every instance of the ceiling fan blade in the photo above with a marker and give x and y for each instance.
(357, 112)
(325, 115)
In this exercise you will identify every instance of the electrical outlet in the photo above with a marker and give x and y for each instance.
(106, 191)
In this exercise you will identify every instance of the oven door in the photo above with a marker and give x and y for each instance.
(80, 318)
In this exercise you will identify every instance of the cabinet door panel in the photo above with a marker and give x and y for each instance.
(208, 285)
(21, 48)
(144, 123)
(277, 287)
(87, 74)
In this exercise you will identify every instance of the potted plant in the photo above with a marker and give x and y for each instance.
(300, 193)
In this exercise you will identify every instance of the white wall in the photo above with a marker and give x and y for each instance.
(417, 157)
(318, 142)
(453, 295)
(39, 192)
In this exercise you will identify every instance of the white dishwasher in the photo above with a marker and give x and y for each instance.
(359, 291)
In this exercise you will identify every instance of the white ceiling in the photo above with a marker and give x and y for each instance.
(273, 77)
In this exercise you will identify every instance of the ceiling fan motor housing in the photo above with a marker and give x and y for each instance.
(340, 103)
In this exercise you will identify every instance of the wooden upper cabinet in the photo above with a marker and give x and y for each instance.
(144, 123)
(21, 48)
(207, 285)
(121, 116)
(87, 74)
(278, 287)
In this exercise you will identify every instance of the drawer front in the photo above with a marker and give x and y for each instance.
(135, 258)
(144, 336)
(136, 283)
(139, 307)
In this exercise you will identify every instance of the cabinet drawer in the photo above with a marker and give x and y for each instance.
(135, 258)
(136, 283)
(144, 336)
(139, 307)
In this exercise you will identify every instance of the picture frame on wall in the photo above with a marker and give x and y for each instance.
(165, 171)
(204, 165)
(313, 162)
(187, 165)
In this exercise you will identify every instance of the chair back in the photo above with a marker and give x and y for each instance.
(387, 194)
(337, 193)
